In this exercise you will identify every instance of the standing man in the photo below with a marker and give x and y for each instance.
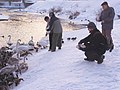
(106, 18)
(55, 29)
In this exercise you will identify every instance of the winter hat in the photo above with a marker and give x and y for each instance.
(46, 18)
(104, 3)
(51, 14)
(91, 25)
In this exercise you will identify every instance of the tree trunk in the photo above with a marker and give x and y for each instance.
(9, 2)
(24, 3)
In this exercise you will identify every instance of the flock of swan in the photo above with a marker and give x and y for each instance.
(13, 58)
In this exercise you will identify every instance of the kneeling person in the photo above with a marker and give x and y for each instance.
(94, 45)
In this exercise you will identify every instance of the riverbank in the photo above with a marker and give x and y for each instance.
(23, 25)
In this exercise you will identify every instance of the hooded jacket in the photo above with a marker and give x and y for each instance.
(54, 24)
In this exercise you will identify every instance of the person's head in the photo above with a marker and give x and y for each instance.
(51, 14)
(91, 26)
(104, 5)
(46, 18)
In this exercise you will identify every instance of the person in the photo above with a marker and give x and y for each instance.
(106, 18)
(55, 29)
(46, 18)
(94, 45)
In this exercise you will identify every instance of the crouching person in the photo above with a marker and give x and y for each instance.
(93, 45)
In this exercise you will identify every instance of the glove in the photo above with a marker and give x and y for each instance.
(81, 47)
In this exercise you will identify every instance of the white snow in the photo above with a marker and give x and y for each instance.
(4, 17)
(65, 69)
(87, 8)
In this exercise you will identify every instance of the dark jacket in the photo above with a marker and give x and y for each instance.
(95, 42)
(107, 16)
(50, 24)
(56, 27)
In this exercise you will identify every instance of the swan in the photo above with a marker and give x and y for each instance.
(21, 48)
(13, 61)
(43, 42)
(31, 43)
(9, 40)
(8, 69)
(15, 47)
(10, 44)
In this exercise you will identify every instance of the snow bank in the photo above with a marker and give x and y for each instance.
(65, 69)
(87, 8)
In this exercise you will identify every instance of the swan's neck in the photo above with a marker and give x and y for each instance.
(31, 38)
(9, 40)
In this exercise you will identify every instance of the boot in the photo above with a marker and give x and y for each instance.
(90, 60)
(100, 60)
(111, 48)
(59, 48)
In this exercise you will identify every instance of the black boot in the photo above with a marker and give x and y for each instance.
(100, 59)
(111, 48)
(59, 48)
(90, 60)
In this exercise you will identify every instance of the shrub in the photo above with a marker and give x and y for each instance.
(56, 9)
(74, 15)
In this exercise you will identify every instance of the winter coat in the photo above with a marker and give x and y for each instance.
(50, 24)
(56, 27)
(107, 16)
(95, 42)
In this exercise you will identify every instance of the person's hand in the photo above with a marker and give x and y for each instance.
(82, 45)
(102, 21)
(47, 32)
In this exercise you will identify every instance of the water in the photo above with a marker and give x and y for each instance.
(23, 26)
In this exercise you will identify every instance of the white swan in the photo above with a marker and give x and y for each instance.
(43, 42)
(20, 48)
(31, 43)
(10, 44)
(9, 40)
(14, 47)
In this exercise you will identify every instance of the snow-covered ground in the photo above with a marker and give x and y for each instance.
(65, 69)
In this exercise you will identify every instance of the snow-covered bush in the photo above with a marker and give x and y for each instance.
(56, 9)
(74, 15)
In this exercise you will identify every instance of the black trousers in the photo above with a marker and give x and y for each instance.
(93, 55)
